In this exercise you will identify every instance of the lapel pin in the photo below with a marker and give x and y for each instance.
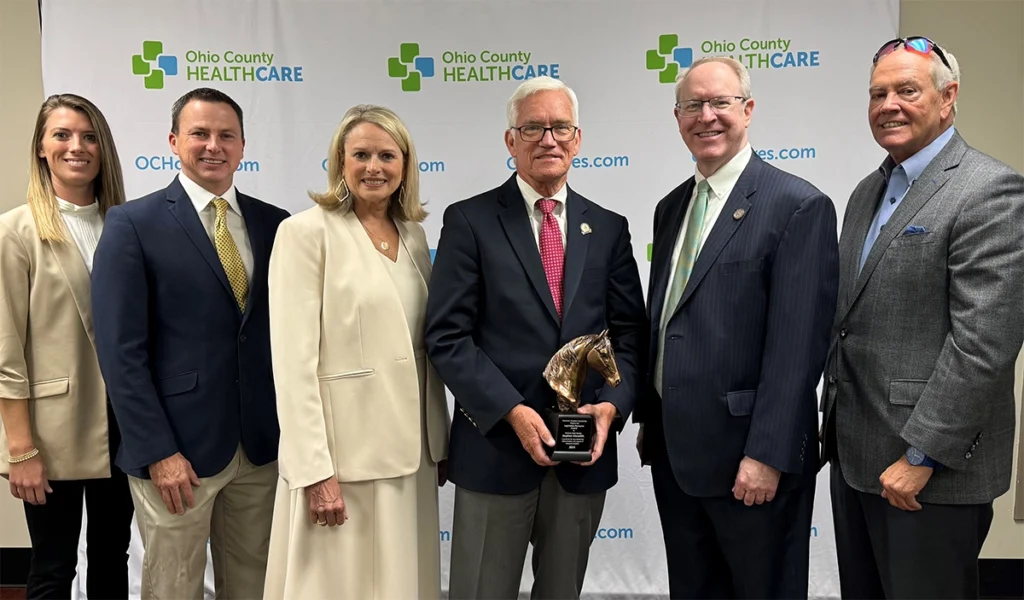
(585, 229)
(739, 214)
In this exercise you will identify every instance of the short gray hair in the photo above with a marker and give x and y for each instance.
(540, 84)
(735, 65)
(942, 75)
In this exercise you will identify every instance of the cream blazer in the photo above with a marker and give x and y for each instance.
(348, 392)
(47, 353)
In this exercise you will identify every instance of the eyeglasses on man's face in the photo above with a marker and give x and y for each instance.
(692, 108)
(535, 133)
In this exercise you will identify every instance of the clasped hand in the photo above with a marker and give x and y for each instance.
(326, 505)
(902, 482)
(534, 435)
(756, 482)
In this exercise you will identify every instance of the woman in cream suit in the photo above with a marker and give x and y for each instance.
(364, 419)
(59, 434)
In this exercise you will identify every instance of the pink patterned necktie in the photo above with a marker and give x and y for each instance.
(552, 255)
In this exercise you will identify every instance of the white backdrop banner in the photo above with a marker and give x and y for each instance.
(447, 67)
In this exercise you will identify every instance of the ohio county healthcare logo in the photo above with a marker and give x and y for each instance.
(464, 67)
(409, 56)
(668, 57)
(209, 66)
(153, 64)
(778, 53)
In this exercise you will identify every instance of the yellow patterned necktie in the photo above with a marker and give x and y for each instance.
(228, 253)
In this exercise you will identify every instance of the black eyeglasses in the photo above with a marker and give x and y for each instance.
(918, 44)
(535, 133)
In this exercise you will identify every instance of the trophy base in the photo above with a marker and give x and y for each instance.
(573, 433)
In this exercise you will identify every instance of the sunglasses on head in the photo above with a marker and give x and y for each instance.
(918, 44)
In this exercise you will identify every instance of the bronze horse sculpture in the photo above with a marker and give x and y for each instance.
(567, 369)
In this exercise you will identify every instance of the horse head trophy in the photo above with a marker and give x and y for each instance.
(566, 373)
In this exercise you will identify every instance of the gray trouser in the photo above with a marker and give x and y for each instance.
(491, 532)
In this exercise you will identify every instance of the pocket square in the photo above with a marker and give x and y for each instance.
(915, 230)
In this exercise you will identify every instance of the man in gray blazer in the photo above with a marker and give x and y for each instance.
(919, 410)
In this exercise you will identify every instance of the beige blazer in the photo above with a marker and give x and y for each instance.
(348, 391)
(47, 353)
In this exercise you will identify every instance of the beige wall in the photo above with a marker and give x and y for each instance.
(987, 37)
(20, 95)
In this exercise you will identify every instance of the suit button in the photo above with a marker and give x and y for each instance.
(242, 338)
(672, 388)
(832, 379)
(674, 337)
(842, 333)
(967, 456)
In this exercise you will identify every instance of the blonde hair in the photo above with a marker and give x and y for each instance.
(108, 185)
(737, 67)
(404, 204)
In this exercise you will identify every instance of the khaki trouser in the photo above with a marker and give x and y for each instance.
(233, 510)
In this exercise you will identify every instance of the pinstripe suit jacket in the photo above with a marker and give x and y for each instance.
(925, 337)
(745, 346)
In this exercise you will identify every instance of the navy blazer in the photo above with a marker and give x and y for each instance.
(746, 346)
(186, 371)
(492, 328)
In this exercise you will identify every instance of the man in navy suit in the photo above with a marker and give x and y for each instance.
(521, 270)
(183, 337)
(742, 292)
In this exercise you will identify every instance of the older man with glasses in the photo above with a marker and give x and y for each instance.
(919, 412)
(520, 271)
(742, 292)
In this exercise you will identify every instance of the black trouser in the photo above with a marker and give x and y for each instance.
(718, 547)
(885, 552)
(55, 527)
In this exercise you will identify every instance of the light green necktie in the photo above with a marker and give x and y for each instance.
(691, 247)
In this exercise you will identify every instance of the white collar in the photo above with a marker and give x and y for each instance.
(200, 197)
(74, 209)
(532, 196)
(725, 178)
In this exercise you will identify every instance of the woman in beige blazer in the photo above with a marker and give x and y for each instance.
(59, 434)
(364, 418)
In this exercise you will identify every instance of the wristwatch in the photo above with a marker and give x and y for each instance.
(919, 459)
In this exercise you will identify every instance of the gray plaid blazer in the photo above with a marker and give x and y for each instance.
(925, 337)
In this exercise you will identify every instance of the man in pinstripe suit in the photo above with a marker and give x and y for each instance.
(919, 413)
(743, 287)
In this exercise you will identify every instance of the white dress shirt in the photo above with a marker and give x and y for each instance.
(85, 225)
(536, 216)
(721, 184)
(202, 200)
